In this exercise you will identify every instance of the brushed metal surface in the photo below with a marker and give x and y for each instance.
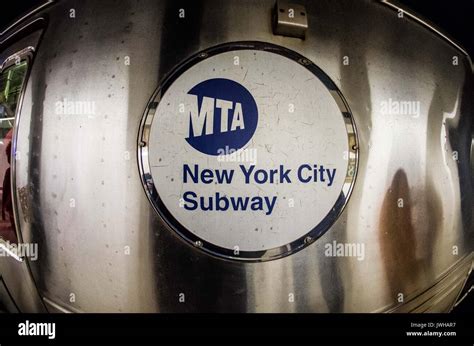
(103, 248)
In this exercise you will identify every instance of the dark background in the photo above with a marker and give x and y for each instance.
(454, 17)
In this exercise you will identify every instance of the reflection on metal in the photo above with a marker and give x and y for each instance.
(82, 201)
(17, 57)
(440, 296)
(290, 20)
(54, 307)
(16, 273)
(468, 287)
(23, 201)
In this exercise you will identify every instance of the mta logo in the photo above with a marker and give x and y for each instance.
(222, 114)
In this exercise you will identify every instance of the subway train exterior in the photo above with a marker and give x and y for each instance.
(234, 156)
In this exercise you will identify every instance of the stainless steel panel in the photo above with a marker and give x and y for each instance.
(102, 247)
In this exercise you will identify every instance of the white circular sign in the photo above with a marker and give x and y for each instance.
(250, 153)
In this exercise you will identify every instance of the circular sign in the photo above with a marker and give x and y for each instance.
(248, 151)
